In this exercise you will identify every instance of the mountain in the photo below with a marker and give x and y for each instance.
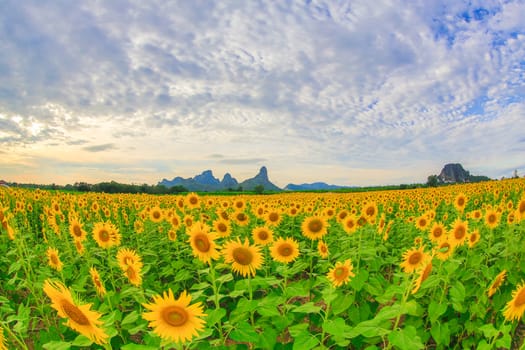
(313, 187)
(206, 182)
(261, 179)
(454, 173)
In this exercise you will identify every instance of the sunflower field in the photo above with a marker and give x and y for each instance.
(432, 268)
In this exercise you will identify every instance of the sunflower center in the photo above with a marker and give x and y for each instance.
(415, 258)
(370, 211)
(492, 218)
(221, 227)
(341, 272)
(131, 273)
(273, 217)
(194, 200)
(438, 231)
(74, 313)
(263, 235)
(315, 226)
(54, 259)
(242, 256)
(459, 232)
(202, 243)
(77, 231)
(241, 217)
(520, 298)
(128, 260)
(521, 208)
(103, 235)
(285, 250)
(350, 224)
(461, 202)
(156, 215)
(175, 316)
(422, 222)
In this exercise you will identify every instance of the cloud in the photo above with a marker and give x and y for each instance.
(361, 85)
(243, 161)
(100, 148)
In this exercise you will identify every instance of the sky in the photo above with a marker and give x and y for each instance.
(346, 92)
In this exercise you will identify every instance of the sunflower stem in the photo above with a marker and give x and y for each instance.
(216, 299)
(250, 291)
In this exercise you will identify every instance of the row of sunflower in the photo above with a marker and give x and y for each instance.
(300, 270)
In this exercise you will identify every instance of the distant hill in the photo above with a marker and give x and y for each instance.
(455, 173)
(206, 182)
(315, 186)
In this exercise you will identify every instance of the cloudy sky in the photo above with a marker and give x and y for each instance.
(346, 92)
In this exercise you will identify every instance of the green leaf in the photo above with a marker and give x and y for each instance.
(488, 330)
(137, 347)
(309, 308)
(214, 316)
(482, 345)
(130, 319)
(406, 338)
(225, 278)
(441, 333)
(82, 340)
(267, 339)
(435, 310)
(337, 327)
(457, 292)
(305, 341)
(342, 303)
(57, 345)
(244, 332)
(359, 280)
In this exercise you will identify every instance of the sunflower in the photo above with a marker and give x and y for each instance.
(192, 200)
(424, 272)
(341, 215)
(460, 202)
(172, 235)
(314, 227)
(459, 232)
(444, 250)
(492, 218)
(422, 223)
(473, 238)
(520, 209)
(414, 259)
(369, 211)
(239, 204)
(245, 258)
(241, 218)
(273, 218)
(350, 224)
(79, 317)
(128, 257)
(54, 259)
(498, 281)
(222, 227)
(79, 247)
(95, 278)
(155, 214)
(138, 226)
(511, 218)
(262, 235)
(203, 242)
(515, 308)
(285, 250)
(75, 229)
(174, 220)
(173, 319)
(133, 274)
(437, 232)
(106, 235)
(340, 274)
(322, 249)
(3, 345)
